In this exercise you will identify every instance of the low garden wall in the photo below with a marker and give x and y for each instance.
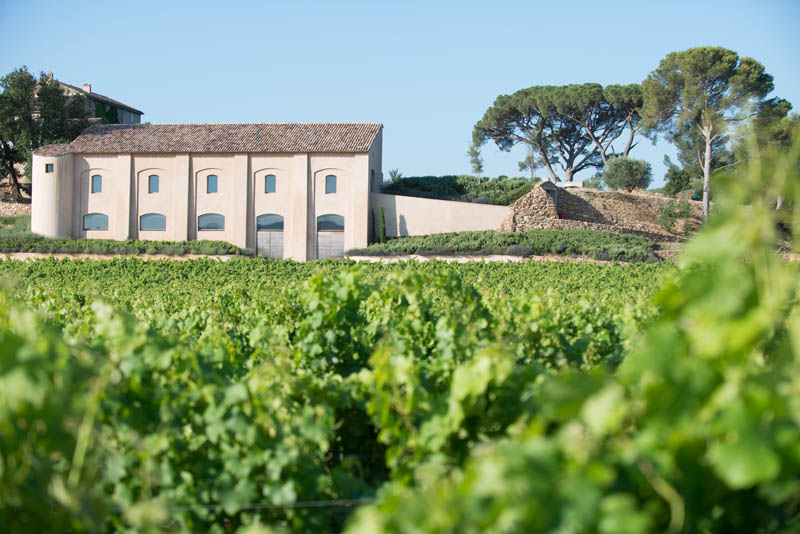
(406, 216)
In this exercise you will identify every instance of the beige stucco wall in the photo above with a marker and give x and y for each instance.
(351, 199)
(422, 216)
(171, 200)
(230, 200)
(61, 201)
(279, 202)
(376, 163)
(114, 200)
(51, 214)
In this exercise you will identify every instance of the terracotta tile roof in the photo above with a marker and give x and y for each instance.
(52, 150)
(102, 98)
(222, 138)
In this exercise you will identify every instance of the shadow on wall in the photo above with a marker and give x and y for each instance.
(396, 225)
(390, 217)
(576, 208)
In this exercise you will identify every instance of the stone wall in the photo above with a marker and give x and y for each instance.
(549, 206)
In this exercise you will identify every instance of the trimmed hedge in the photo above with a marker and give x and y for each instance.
(15, 236)
(594, 243)
(35, 243)
(501, 191)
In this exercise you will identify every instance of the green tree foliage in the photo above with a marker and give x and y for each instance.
(395, 175)
(771, 127)
(571, 126)
(676, 179)
(627, 173)
(475, 160)
(530, 163)
(33, 114)
(626, 102)
(701, 91)
(604, 114)
(595, 182)
(690, 147)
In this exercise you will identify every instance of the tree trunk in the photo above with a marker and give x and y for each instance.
(779, 203)
(598, 146)
(530, 163)
(629, 145)
(15, 183)
(568, 174)
(549, 167)
(706, 170)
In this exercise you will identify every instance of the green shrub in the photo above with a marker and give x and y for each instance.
(627, 173)
(671, 212)
(27, 242)
(519, 250)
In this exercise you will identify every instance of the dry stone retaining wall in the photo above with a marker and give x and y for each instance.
(550, 207)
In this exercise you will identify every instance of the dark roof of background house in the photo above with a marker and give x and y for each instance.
(288, 137)
(102, 98)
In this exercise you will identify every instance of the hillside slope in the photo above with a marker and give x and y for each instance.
(549, 206)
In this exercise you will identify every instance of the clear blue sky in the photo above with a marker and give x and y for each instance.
(426, 70)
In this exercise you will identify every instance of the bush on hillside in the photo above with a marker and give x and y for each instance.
(627, 173)
(673, 211)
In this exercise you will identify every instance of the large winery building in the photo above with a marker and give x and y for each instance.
(290, 190)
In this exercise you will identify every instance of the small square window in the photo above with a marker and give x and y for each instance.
(152, 184)
(48, 167)
(330, 184)
(211, 183)
(97, 184)
(269, 183)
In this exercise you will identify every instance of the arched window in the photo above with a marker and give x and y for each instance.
(330, 184)
(152, 183)
(95, 221)
(270, 183)
(152, 221)
(211, 221)
(211, 183)
(269, 221)
(330, 223)
(97, 183)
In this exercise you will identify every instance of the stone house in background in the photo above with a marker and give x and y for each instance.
(102, 107)
(286, 190)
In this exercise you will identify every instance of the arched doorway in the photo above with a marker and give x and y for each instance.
(330, 236)
(269, 235)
